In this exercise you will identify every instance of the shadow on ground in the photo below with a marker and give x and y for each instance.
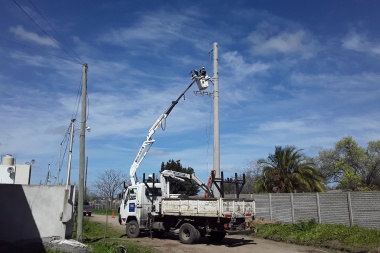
(173, 235)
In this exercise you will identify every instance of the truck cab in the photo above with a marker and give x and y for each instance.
(137, 204)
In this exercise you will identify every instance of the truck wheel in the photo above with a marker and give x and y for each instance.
(89, 214)
(188, 234)
(132, 229)
(217, 236)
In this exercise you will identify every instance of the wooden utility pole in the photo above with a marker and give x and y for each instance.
(82, 154)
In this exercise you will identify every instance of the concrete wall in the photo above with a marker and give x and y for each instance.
(33, 212)
(346, 208)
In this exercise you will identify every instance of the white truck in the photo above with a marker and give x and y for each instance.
(149, 205)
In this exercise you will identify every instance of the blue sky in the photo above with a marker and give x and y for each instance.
(303, 73)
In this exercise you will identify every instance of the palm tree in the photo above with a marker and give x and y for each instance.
(288, 170)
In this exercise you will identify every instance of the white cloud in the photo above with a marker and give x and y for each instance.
(286, 126)
(35, 61)
(162, 27)
(329, 81)
(268, 39)
(360, 43)
(239, 68)
(279, 88)
(20, 32)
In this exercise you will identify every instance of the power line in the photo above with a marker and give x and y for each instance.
(32, 48)
(65, 140)
(59, 162)
(40, 108)
(77, 100)
(45, 31)
(55, 30)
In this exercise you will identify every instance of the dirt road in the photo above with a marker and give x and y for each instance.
(231, 244)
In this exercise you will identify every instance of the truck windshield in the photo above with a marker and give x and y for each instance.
(132, 193)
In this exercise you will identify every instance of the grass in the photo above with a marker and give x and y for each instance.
(103, 240)
(109, 212)
(337, 237)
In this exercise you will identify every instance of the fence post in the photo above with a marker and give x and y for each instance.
(318, 209)
(350, 216)
(270, 206)
(292, 204)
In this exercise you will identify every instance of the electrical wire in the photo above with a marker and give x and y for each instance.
(55, 31)
(35, 49)
(73, 59)
(64, 153)
(40, 108)
(77, 100)
(45, 32)
(87, 107)
(59, 163)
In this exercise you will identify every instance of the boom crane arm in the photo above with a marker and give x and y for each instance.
(166, 174)
(147, 144)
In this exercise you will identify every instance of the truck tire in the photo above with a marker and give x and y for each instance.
(217, 236)
(188, 234)
(132, 229)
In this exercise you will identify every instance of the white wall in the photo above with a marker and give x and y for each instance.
(33, 212)
(5, 176)
(21, 174)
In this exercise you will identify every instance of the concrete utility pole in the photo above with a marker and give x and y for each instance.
(70, 153)
(216, 117)
(59, 163)
(82, 154)
(85, 180)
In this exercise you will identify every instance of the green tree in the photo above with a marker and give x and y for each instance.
(288, 170)
(372, 179)
(176, 186)
(351, 166)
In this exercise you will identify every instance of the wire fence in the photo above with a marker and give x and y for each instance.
(346, 208)
(105, 206)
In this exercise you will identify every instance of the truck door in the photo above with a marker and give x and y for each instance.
(131, 201)
(130, 206)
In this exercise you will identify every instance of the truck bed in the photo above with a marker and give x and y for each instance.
(208, 207)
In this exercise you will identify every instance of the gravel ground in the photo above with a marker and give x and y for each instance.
(169, 243)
